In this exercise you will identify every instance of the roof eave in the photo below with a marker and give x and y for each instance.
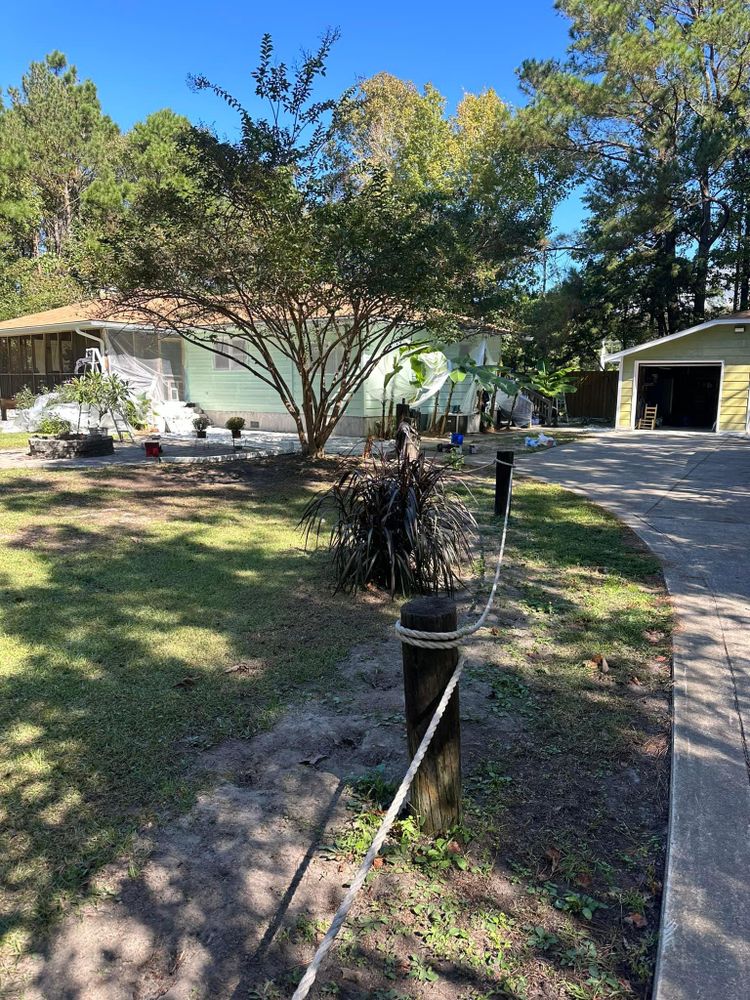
(724, 321)
(72, 326)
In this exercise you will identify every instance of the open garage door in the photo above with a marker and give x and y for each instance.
(686, 395)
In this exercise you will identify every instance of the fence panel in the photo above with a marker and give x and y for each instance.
(595, 397)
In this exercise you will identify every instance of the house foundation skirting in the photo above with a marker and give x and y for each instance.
(283, 423)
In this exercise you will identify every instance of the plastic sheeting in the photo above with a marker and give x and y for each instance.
(439, 366)
(522, 410)
(46, 406)
(143, 361)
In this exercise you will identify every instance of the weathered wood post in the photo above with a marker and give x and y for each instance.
(436, 792)
(503, 470)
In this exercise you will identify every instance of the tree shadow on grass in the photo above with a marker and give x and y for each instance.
(117, 651)
(573, 761)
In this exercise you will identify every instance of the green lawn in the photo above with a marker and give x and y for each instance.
(14, 441)
(124, 596)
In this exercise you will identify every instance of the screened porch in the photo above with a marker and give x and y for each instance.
(39, 360)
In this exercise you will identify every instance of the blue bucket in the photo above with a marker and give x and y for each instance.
(457, 440)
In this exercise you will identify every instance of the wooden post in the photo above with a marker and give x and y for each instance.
(436, 792)
(502, 481)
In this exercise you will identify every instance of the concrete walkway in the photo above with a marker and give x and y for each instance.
(687, 496)
(217, 447)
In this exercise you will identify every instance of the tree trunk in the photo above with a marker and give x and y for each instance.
(447, 410)
(700, 281)
(744, 261)
(433, 422)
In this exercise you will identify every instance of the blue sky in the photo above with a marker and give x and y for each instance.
(139, 53)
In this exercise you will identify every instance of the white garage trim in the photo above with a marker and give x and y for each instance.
(619, 397)
(671, 364)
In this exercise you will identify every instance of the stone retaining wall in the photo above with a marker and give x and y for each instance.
(70, 447)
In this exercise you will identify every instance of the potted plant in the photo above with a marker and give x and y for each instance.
(235, 425)
(201, 423)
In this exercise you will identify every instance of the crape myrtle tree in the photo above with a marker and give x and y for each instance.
(332, 233)
(317, 267)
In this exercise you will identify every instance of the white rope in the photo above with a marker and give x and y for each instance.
(413, 637)
(388, 820)
(449, 640)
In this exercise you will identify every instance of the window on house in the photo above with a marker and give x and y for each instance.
(334, 359)
(27, 355)
(53, 353)
(66, 352)
(236, 348)
(37, 346)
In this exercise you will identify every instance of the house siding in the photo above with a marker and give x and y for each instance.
(716, 343)
(238, 392)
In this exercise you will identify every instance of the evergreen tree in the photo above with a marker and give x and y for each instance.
(652, 103)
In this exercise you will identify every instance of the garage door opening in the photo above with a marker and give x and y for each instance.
(686, 396)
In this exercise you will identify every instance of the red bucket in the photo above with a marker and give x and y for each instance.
(153, 449)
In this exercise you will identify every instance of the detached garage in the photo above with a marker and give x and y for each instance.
(697, 379)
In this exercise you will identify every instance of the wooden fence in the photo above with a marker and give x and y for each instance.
(595, 397)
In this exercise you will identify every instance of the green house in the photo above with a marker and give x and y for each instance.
(180, 378)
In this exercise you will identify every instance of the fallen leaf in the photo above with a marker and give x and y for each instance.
(378, 863)
(554, 856)
(637, 920)
(243, 667)
(653, 636)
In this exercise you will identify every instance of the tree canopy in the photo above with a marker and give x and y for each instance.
(439, 211)
(329, 233)
(650, 108)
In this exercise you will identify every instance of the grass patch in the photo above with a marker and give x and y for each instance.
(14, 441)
(125, 596)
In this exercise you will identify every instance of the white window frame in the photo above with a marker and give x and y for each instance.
(228, 364)
(672, 364)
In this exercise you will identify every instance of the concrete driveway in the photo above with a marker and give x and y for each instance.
(687, 496)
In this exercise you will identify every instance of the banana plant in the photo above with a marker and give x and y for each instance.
(551, 382)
